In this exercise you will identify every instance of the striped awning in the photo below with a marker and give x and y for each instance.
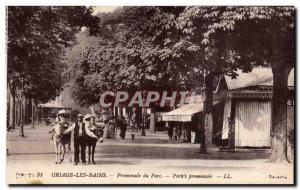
(184, 113)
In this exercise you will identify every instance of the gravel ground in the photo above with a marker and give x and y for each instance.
(151, 159)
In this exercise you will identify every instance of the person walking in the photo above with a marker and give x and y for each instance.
(80, 131)
(175, 131)
(170, 131)
(21, 129)
(112, 128)
(123, 127)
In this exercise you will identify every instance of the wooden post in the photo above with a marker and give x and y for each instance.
(38, 115)
(22, 129)
(231, 134)
(14, 109)
(143, 115)
(231, 125)
(42, 114)
(152, 120)
(20, 112)
(32, 114)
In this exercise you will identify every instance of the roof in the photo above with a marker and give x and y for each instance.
(258, 77)
(184, 113)
(50, 105)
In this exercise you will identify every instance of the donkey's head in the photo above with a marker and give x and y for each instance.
(99, 133)
(59, 129)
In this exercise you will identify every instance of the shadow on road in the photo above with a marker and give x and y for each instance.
(155, 152)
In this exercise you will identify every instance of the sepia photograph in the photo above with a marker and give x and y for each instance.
(150, 95)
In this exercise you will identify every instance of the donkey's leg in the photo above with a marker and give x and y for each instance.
(63, 153)
(55, 150)
(93, 153)
(89, 154)
(59, 153)
(70, 152)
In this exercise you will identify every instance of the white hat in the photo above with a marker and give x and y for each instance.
(87, 116)
(79, 115)
(61, 112)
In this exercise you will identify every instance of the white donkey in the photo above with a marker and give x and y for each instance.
(61, 142)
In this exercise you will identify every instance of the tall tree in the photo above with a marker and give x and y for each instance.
(186, 47)
(253, 36)
(275, 45)
(221, 40)
(37, 38)
(175, 35)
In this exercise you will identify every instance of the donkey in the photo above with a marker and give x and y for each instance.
(61, 142)
(91, 143)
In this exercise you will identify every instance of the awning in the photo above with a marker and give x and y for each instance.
(49, 105)
(184, 113)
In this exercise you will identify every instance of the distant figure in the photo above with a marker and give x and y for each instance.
(21, 129)
(170, 132)
(133, 121)
(110, 132)
(132, 136)
(147, 123)
(123, 127)
(48, 120)
(112, 127)
(131, 125)
(175, 129)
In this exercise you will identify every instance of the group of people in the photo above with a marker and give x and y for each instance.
(85, 127)
(179, 132)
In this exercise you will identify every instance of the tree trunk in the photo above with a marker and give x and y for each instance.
(143, 112)
(9, 107)
(14, 112)
(29, 111)
(206, 141)
(32, 112)
(138, 120)
(13, 91)
(25, 120)
(279, 113)
(20, 112)
(152, 120)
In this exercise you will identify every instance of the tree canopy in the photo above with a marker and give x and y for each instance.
(188, 47)
(37, 38)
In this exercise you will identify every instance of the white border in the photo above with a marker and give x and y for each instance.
(4, 3)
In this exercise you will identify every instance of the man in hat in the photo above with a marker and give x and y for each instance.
(123, 127)
(80, 131)
(97, 126)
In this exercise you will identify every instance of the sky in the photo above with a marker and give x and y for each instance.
(105, 9)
